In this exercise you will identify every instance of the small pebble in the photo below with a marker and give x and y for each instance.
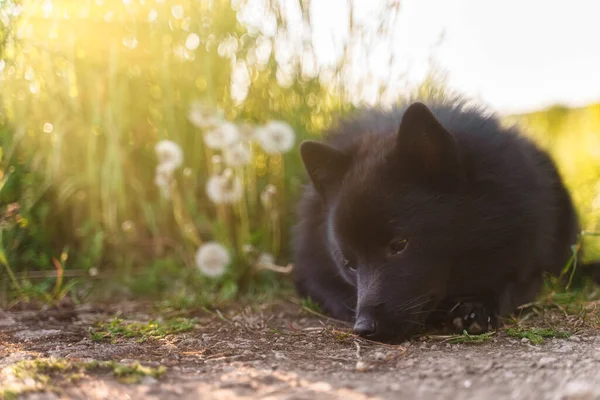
(148, 380)
(321, 387)
(361, 366)
(564, 349)
(580, 390)
(545, 361)
(467, 383)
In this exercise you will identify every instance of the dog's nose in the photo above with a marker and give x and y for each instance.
(365, 326)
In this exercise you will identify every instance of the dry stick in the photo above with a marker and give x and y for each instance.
(318, 314)
(275, 268)
(357, 350)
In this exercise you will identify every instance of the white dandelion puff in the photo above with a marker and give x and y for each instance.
(248, 249)
(276, 137)
(265, 259)
(237, 155)
(169, 154)
(128, 226)
(212, 259)
(223, 136)
(163, 177)
(204, 116)
(224, 189)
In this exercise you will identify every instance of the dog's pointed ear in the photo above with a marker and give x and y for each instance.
(325, 165)
(426, 150)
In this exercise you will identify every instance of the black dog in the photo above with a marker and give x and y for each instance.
(428, 211)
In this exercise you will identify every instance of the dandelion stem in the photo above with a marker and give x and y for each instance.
(276, 173)
(188, 230)
(9, 270)
(244, 226)
(275, 233)
(251, 183)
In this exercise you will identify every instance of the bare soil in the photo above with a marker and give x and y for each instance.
(280, 351)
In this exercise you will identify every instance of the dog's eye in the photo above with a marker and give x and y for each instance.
(348, 264)
(397, 246)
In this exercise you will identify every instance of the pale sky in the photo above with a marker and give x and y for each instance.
(514, 55)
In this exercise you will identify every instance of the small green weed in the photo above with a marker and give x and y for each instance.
(537, 335)
(36, 375)
(309, 305)
(118, 328)
(465, 338)
(342, 336)
(127, 373)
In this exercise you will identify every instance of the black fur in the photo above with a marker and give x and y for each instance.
(483, 211)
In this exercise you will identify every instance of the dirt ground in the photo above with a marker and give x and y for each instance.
(280, 351)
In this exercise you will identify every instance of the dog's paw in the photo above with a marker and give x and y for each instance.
(474, 318)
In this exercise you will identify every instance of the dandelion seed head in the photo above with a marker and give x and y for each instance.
(203, 116)
(223, 136)
(163, 177)
(128, 226)
(169, 153)
(276, 137)
(248, 249)
(212, 259)
(237, 155)
(265, 259)
(223, 190)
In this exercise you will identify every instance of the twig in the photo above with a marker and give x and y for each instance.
(358, 356)
(275, 268)
(318, 314)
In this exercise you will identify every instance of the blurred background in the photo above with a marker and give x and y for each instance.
(148, 148)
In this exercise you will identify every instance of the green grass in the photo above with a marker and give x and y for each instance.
(118, 329)
(85, 188)
(310, 305)
(45, 374)
(537, 335)
(465, 338)
(342, 335)
(127, 373)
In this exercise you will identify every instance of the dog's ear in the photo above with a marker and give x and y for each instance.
(426, 150)
(325, 165)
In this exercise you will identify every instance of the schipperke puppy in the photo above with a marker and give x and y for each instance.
(427, 211)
